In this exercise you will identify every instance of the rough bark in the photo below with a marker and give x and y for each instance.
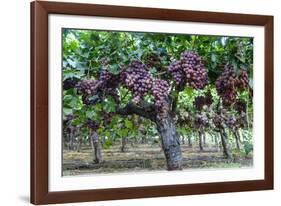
(241, 135)
(166, 128)
(79, 143)
(124, 142)
(71, 137)
(216, 142)
(204, 139)
(78, 139)
(144, 110)
(169, 141)
(225, 146)
(237, 140)
(189, 141)
(200, 138)
(96, 146)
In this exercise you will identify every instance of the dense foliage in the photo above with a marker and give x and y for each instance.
(204, 81)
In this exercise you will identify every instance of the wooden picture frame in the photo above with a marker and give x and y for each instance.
(39, 102)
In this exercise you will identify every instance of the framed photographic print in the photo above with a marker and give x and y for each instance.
(131, 102)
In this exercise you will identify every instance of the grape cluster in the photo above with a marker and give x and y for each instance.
(69, 83)
(92, 124)
(105, 85)
(236, 123)
(229, 82)
(137, 79)
(241, 121)
(107, 117)
(218, 121)
(109, 83)
(240, 106)
(177, 72)
(189, 70)
(88, 88)
(160, 91)
(69, 117)
(226, 85)
(219, 118)
(105, 76)
(201, 120)
(243, 80)
(231, 122)
(201, 101)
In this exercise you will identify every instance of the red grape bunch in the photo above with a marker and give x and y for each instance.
(109, 83)
(137, 79)
(243, 80)
(229, 82)
(231, 122)
(236, 122)
(109, 80)
(106, 84)
(107, 117)
(218, 121)
(177, 72)
(160, 91)
(201, 120)
(219, 118)
(189, 70)
(105, 76)
(69, 83)
(240, 106)
(91, 124)
(88, 88)
(201, 101)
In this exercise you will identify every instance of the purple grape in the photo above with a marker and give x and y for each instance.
(240, 106)
(229, 82)
(160, 91)
(92, 124)
(201, 121)
(69, 83)
(137, 79)
(189, 70)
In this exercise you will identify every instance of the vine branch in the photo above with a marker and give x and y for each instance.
(145, 110)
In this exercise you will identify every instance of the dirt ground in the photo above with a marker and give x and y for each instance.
(144, 157)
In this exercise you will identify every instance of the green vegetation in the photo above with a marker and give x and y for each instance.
(174, 92)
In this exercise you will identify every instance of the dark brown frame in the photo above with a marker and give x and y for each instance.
(39, 102)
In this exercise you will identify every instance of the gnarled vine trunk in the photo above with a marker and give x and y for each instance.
(170, 141)
(200, 132)
(237, 139)
(71, 138)
(189, 141)
(224, 142)
(124, 142)
(216, 142)
(204, 139)
(96, 146)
